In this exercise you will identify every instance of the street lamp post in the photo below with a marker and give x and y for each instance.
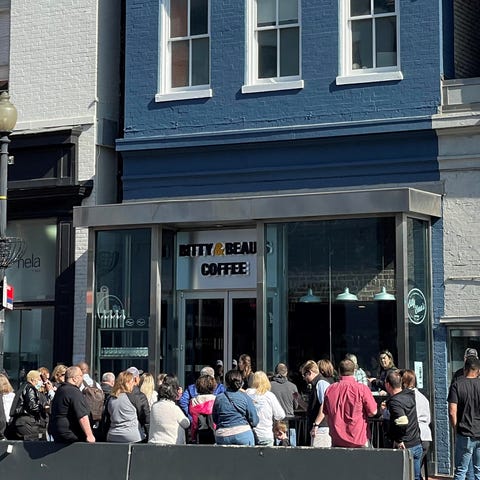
(8, 119)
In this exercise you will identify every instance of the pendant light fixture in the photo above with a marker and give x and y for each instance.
(383, 295)
(309, 297)
(346, 296)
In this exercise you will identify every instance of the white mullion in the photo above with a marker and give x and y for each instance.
(397, 31)
(374, 46)
(167, 60)
(253, 19)
(277, 26)
(189, 46)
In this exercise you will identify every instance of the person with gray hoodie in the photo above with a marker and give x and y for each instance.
(285, 391)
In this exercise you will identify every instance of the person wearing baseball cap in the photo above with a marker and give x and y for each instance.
(469, 353)
(139, 401)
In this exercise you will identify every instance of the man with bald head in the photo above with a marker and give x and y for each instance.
(87, 379)
(285, 391)
(69, 420)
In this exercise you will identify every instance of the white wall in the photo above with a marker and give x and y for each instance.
(459, 158)
(64, 54)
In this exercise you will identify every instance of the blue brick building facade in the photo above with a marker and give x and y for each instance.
(284, 162)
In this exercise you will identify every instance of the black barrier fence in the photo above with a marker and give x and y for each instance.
(81, 461)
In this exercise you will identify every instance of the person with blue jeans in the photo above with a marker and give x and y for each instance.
(404, 430)
(234, 413)
(463, 410)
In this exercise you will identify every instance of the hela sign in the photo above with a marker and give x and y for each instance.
(216, 259)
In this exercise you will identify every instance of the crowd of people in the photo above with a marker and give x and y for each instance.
(243, 407)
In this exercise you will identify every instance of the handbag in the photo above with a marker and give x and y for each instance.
(255, 437)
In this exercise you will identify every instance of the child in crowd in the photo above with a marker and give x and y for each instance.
(280, 433)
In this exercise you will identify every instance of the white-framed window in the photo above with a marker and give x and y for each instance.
(273, 45)
(4, 43)
(184, 50)
(369, 41)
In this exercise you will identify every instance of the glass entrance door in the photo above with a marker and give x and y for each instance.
(215, 326)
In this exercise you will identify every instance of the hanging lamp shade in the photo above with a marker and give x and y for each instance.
(347, 296)
(383, 295)
(309, 297)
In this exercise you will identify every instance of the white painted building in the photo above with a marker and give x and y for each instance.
(64, 77)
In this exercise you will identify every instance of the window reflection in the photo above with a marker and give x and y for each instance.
(122, 298)
(327, 257)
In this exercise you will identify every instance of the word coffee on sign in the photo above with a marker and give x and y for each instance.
(220, 249)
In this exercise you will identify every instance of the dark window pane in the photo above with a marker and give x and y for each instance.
(289, 52)
(180, 64)
(178, 18)
(362, 44)
(383, 6)
(266, 13)
(267, 54)
(386, 39)
(48, 163)
(359, 7)
(287, 11)
(200, 61)
(198, 17)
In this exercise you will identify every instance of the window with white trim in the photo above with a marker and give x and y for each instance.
(185, 50)
(273, 45)
(4, 43)
(370, 41)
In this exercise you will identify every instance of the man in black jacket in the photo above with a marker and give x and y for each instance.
(140, 401)
(403, 424)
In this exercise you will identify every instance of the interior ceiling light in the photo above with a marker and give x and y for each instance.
(309, 297)
(347, 296)
(384, 295)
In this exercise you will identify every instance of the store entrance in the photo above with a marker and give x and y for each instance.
(215, 326)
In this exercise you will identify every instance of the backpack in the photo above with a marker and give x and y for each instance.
(101, 431)
(205, 429)
(94, 397)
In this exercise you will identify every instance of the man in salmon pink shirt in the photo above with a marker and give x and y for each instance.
(347, 405)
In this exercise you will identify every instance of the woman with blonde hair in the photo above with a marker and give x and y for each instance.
(147, 386)
(7, 395)
(325, 367)
(267, 405)
(58, 375)
(124, 425)
(29, 420)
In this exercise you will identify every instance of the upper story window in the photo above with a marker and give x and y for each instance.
(4, 43)
(185, 50)
(273, 46)
(369, 41)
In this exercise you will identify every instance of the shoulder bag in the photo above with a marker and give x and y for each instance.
(255, 437)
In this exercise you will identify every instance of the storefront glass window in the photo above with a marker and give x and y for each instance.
(418, 299)
(33, 276)
(28, 341)
(308, 264)
(122, 299)
(169, 327)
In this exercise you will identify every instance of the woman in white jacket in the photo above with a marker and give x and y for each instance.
(268, 408)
